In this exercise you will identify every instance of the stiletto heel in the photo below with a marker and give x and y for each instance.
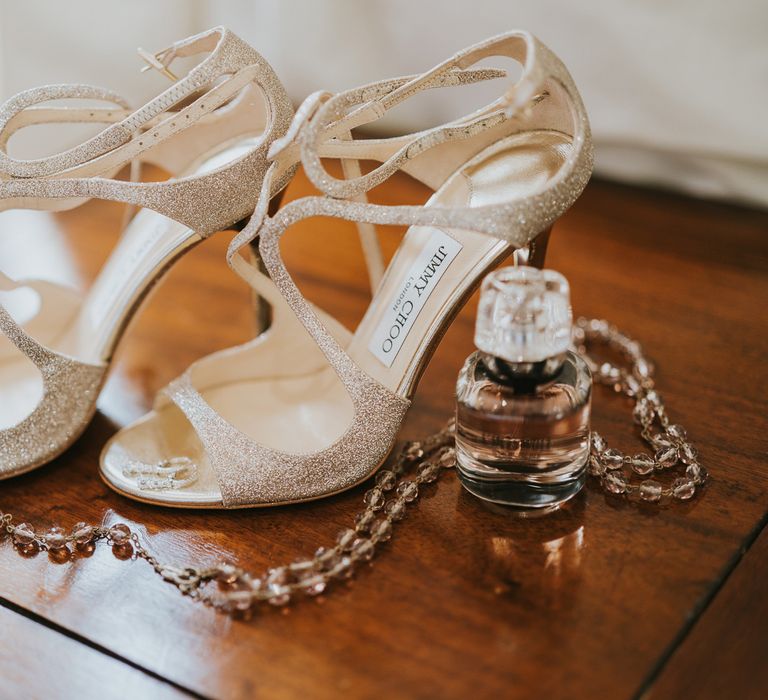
(535, 252)
(317, 410)
(538, 249)
(212, 130)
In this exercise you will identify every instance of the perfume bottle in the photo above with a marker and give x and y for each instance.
(523, 399)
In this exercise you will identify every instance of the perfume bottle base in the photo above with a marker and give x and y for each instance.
(522, 491)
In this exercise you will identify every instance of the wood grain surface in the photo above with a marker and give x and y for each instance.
(42, 663)
(590, 602)
(725, 654)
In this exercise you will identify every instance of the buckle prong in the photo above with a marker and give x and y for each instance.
(153, 62)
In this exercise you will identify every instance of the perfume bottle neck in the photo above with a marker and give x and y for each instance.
(524, 377)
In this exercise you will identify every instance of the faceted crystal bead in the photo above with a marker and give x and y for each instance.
(632, 385)
(653, 398)
(615, 482)
(364, 520)
(386, 480)
(374, 499)
(325, 558)
(688, 453)
(23, 534)
(642, 369)
(695, 472)
(314, 585)
(408, 491)
(609, 373)
(238, 601)
(226, 573)
(683, 488)
(595, 465)
(650, 490)
(342, 569)
(278, 594)
(395, 510)
(120, 534)
(598, 444)
(362, 549)
(414, 451)
(381, 530)
(82, 534)
(56, 538)
(660, 440)
(677, 432)
(301, 566)
(642, 464)
(323, 553)
(633, 349)
(447, 458)
(667, 456)
(612, 458)
(277, 576)
(643, 412)
(429, 473)
(345, 539)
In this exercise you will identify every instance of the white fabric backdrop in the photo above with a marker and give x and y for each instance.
(677, 91)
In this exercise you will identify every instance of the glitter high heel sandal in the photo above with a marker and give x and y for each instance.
(250, 426)
(211, 129)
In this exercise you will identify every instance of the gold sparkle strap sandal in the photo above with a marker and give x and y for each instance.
(286, 151)
(211, 129)
(245, 427)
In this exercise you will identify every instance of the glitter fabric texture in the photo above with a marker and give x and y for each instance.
(517, 221)
(205, 203)
(70, 389)
(13, 112)
(251, 474)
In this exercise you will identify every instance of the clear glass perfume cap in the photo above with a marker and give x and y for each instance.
(524, 314)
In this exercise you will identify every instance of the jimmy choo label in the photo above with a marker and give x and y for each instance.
(430, 265)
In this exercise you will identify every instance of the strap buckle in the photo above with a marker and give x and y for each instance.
(158, 61)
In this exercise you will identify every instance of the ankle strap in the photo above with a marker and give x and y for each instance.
(14, 116)
(80, 172)
(228, 55)
(360, 106)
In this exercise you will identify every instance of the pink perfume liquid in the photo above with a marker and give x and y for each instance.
(522, 436)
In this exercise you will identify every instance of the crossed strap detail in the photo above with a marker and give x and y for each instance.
(83, 172)
(322, 125)
(322, 128)
(79, 173)
(15, 114)
(359, 106)
(123, 141)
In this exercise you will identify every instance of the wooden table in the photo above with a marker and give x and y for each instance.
(600, 600)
